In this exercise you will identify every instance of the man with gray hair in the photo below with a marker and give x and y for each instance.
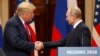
(80, 36)
(18, 39)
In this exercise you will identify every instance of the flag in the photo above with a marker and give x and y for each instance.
(96, 26)
(1, 40)
(1, 36)
(61, 27)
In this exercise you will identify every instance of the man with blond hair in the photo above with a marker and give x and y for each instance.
(80, 36)
(17, 34)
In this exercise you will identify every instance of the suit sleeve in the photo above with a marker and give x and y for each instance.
(13, 37)
(55, 44)
(85, 36)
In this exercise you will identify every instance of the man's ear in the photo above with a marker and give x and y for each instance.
(73, 17)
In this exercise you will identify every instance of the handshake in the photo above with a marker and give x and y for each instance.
(38, 45)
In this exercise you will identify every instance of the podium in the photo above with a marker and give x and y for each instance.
(78, 51)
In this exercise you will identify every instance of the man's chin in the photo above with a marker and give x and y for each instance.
(30, 21)
(70, 23)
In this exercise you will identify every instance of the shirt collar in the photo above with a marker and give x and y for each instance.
(75, 25)
(21, 19)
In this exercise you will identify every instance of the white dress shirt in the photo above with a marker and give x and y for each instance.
(75, 25)
(23, 22)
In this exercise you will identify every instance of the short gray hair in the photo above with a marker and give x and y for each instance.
(75, 11)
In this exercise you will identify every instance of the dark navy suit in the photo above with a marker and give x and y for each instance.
(80, 36)
(16, 42)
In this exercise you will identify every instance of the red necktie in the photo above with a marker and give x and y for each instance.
(28, 31)
(31, 35)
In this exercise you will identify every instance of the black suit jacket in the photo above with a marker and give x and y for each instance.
(16, 41)
(80, 36)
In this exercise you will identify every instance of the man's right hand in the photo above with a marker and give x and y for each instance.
(38, 45)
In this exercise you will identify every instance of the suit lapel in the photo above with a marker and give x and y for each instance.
(79, 25)
(22, 29)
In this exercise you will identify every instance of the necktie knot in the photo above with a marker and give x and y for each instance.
(26, 23)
